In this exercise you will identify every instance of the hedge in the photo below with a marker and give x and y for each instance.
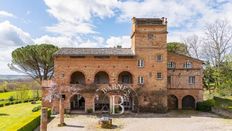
(32, 123)
(205, 106)
(6, 103)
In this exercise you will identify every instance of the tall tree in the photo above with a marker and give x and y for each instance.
(34, 60)
(217, 41)
(177, 47)
(193, 44)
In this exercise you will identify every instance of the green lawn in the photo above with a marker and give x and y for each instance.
(6, 95)
(14, 116)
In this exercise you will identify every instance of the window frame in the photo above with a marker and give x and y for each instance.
(173, 65)
(188, 65)
(140, 63)
(141, 80)
(192, 80)
(159, 74)
(159, 60)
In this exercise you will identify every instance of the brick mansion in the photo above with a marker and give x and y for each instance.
(147, 76)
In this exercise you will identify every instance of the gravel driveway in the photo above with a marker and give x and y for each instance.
(172, 121)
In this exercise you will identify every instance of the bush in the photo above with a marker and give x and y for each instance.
(36, 108)
(31, 125)
(7, 104)
(11, 98)
(90, 110)
(222, 102)
(1, 105)
(205, 105)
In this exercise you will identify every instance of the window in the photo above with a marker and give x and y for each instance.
(191, 79)
(140, 80)
(141, 63)
(187, 65)
(159, 75)
(171, 65)
(159, 58)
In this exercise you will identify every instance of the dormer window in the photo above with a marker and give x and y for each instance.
(140, 63)
(171, 65)
(187, 65)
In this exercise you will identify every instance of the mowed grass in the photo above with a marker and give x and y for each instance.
(15, 116)
(6, 95)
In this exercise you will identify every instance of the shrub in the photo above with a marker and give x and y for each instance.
(90, 110)
(222, 102)
(1, 105)
(205, 105)
(7, 104)
(11, 98)
(31, 125)
(36, 108)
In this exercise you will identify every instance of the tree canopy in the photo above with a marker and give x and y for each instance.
(34, 60)
(177, 47)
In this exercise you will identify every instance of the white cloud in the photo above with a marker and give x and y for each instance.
(78, 14)
(72, 41)
(124, 41)
(5, 14)
(11, 35)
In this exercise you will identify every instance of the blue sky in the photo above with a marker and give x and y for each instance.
(97, 23)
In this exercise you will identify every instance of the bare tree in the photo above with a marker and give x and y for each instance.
(217, 41)
(193, 44)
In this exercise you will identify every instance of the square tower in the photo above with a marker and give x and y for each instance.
(149, 42)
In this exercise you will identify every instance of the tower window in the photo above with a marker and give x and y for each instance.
(159, 75)
(159, 58)
(140, 63)
(140, 80)
(191, 80)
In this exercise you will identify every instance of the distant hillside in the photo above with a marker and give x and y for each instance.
(15, 78)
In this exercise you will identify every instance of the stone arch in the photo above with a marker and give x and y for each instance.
(172, 102)
(77, 102)
(188, 102)
(101, 77)
(77, 77)
(125, 70)
(125, 77)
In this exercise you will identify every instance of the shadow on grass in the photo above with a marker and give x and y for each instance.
(4, 114)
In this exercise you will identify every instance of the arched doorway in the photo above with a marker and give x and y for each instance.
(102, 103)
(125, 77)
(172, 102)
(188, 102)
(77, 102)
(101, 78)
(77, 78)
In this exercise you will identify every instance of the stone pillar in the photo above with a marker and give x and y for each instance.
(179, 104)
(44, 119)
(61, 111)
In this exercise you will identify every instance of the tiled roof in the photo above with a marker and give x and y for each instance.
(95, 52)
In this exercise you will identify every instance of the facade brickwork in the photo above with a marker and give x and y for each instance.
(149, 44)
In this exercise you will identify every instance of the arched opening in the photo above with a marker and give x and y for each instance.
(101, 78)
(125, 77)
(77, 102)
(77, 78)
(188, 102)
(102, 103)
(172, 102)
